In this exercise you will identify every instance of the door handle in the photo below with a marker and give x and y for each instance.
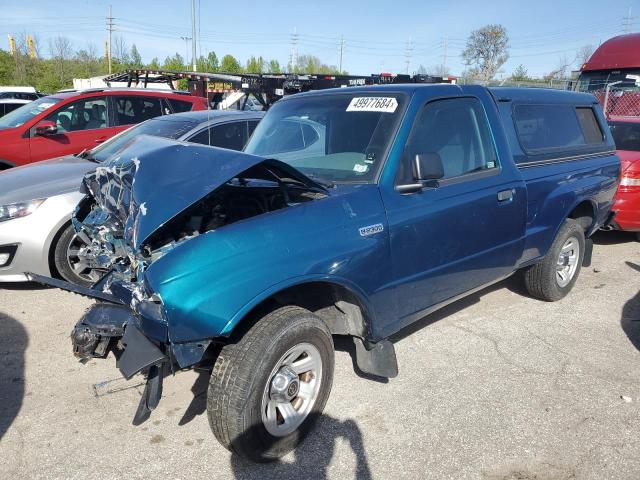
(100, 140)
(505, 195)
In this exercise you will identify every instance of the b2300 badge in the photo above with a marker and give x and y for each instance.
(371, 230)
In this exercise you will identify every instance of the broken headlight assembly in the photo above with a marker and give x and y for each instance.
(19, 209)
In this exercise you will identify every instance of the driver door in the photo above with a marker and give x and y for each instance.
(82, 124)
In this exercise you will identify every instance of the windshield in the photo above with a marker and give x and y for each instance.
(626, 135)
(25, 113)
(336, 137)
(158, 127)
(598, 80)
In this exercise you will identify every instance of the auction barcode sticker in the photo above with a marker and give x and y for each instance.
(373, 104)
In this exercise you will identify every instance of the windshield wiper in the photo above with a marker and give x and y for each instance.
(321, 181)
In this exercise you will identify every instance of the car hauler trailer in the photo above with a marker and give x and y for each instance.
(266, 88)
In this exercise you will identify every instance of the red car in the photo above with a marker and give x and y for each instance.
(626, 133)
(69, 122)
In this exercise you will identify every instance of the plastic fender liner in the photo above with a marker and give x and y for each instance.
(139, 353)
(588, 252)
(187, 354)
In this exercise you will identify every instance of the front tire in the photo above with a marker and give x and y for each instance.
(267, 390)
(553, 278)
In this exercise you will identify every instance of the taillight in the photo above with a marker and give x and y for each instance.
(630, 180)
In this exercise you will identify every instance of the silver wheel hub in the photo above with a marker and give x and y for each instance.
(284, 385)
(567, 262)
(292, 389)
(84, 260)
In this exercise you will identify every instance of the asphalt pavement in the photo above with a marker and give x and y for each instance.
(496, 386)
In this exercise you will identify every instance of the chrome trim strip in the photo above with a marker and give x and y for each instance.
(565, 159)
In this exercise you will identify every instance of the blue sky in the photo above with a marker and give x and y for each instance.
(376, 33)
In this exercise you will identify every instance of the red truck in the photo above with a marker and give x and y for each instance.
(612, 74)
(70, 121)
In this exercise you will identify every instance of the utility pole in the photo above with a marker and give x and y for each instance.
(407, 54)
(444, 57)
(110, 30)
(294, 49)
(186, 47)
(193, 34)
(627, 22)
(341, 51)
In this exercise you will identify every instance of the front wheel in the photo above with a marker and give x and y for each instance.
(74, 259)
(267, 390)
(553, 278)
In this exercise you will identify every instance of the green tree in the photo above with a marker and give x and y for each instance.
(154, 64)
(312, 64)
(520, 74)
(255, 65)
(208, 64)
(274, 66)
(135, 58)
(214, 63)
(229, 64)
(174, 63)
(486, 51)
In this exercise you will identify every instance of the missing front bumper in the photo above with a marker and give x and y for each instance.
(105, 327)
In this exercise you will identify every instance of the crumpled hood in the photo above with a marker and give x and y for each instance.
(43, 179)
(154, 179)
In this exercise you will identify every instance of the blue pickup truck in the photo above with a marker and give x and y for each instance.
(351, 212)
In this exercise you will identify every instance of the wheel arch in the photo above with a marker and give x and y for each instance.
(341, 305)
(584, 212)
(52, 243)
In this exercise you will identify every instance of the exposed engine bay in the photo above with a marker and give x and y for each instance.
(237, 200)
(125, 235)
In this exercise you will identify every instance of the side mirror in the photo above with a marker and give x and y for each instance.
(427, 166)
(427, 169)
(46, 128)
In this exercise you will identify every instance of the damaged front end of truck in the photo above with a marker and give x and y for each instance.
(152, 198)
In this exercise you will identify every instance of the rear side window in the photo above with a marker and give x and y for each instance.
(549, 127)
(136, 109)
(590, 125)
(180, 106)
(227, 135)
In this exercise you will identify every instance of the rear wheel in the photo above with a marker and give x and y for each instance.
(73, 258)
(554, 277)
(267, 391)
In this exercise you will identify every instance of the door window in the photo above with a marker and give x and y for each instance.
(136, 109)
(87, 114)
(458, 132)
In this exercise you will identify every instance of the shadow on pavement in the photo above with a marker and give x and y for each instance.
(13, 343)
(613, 237)
(23, 286)
(515, 283)
(198, 404)
(630, 319)
(313, 457)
